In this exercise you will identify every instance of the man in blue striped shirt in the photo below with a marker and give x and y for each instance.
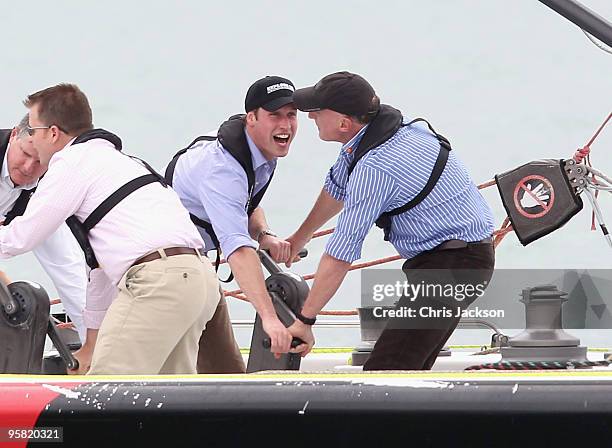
(405, 178)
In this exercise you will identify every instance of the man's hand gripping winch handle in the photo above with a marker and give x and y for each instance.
(271, 266)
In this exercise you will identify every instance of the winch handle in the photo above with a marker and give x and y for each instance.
(6, 300)
(71, 362)
(294, 342)
(271, 265)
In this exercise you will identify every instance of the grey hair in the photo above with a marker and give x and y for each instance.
(22, 127)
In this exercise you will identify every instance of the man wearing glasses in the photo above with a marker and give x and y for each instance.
(150, 293)
(59, 254)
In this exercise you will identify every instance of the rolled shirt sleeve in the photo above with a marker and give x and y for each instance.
(368, 194)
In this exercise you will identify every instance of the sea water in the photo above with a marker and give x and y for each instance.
(506, 82)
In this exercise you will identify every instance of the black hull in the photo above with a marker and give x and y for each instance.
(365, 409)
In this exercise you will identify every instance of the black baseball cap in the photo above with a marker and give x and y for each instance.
(344, 92)
(271, 93)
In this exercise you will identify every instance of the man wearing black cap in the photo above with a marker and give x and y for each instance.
(406, 179)
(221, 179)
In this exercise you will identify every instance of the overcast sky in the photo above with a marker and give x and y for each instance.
(506, 82)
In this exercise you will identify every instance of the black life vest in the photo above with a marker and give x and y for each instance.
(24, 197)
(384, 126)
(231, 137)
(79, 229)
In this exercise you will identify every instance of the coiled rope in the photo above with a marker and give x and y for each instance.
(539, 365)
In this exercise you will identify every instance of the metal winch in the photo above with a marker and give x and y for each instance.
(544, 338)
(288, 292)
(24, 323)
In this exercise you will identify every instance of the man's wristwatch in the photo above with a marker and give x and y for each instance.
(304, 319)
(265, 232)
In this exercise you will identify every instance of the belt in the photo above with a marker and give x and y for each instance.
(460, 244)
(170, 252)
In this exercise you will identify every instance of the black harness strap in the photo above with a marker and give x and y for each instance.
(384, 126)
(254, 203)
(19, 206)
(82, 236)
(208, 228)
(381, 128)
(79, 229)
(109, 203)
(443, 140)
(5, 136)
(115, 140)
(384, 220)
(22, 201)
(169, 174)
(231, 137)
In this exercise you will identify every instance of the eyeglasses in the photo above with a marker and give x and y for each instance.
(32, 129)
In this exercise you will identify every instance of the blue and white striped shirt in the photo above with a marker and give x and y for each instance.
(388, 177)
(213, 186)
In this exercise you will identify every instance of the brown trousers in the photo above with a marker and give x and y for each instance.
(418, 348)
(219, 352)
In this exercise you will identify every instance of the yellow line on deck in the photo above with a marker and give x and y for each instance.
(438, 375)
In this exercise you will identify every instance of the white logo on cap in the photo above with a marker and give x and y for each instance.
(280, 86)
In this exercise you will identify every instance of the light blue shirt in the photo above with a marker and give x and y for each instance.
(388, 177)
(213, 186)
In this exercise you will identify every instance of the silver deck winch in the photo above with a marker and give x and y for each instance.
(544, 338)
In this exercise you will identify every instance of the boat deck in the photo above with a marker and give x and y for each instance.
(446, 406)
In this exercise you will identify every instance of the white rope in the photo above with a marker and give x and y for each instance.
(599, 174)
(598, 214)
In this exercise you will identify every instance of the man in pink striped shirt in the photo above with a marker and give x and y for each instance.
(150, 292)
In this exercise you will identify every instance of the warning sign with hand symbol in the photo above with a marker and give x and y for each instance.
(534, 196)
(538, 197)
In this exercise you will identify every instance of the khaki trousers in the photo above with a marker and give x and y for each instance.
(219, 352)
(154, 324)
